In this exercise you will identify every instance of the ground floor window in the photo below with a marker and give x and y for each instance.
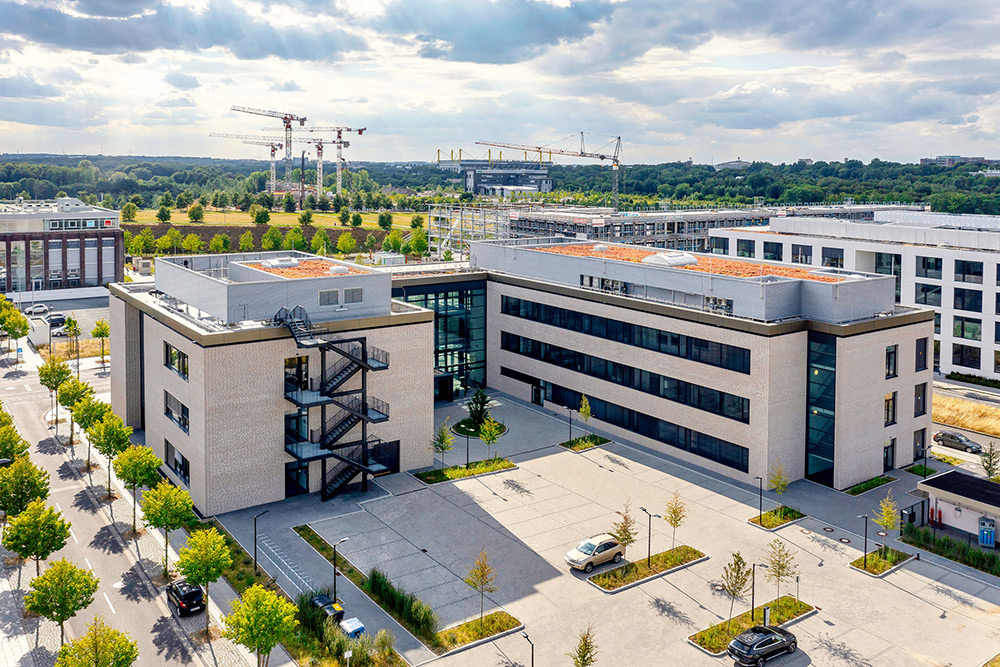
(889, 455)
(918, 443)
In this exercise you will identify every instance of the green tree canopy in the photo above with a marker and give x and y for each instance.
(220, 243)
(196, 213)
(192, 243)
(51, 375)
(70, 393)
(128, 212)
(204, 559)
(271, 240)
(163, 215)
(101, 331)
(344, 216)
(288, 203)
(306, 217)
(346, 244)
(246, 241)
(36, 533)
(168, 508)
(320, 242)
(259, 621)
(356, 220)
(101, 646)
(137, 466)
(61, 592)
(110, 437)
(21, 483)
(12, 445)
(294, 240)
(87, 412)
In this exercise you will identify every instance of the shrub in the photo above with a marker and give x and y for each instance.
(949, 547)
(409, 607)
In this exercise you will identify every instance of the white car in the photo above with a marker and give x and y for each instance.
(37, 309)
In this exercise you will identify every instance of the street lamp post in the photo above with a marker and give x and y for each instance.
(649, 536)
(760, 501)
(903, 515)
(528, 639)
(753, 589)
(865, 517)
(340, 541)
(926, 447)
(570, 411)
(255, 539)
(466, 451)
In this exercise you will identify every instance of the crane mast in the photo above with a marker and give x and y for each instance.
(275, 147)
(341, 144)
(287, 119)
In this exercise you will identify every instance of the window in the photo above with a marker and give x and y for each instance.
(967, 327)
(920, 399)
(919, 438)
(833, 257)
(996, 332)
(890, 408)
(965, 356)
(928, 295)
(746, 248)
(175, 411)
(888, 264)
(921, 360)
(802, 254)
(968, 299)
(774, 252)
(175, 360)
(929, 267)
(353, 295)
(968, 272)
(889, 456)
(937, 323)
(719, 245)
(890, 361)
(176, 462)
(996, 361)
(329, 297)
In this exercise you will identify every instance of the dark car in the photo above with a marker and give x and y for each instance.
(761, 643)
(329, 607)
(957, 441)
(56, 319)
(188, 598)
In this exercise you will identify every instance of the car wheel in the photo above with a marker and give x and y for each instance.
(618, 557)
(791, 647)
(968, 449)
(760, 661)
(589, 568)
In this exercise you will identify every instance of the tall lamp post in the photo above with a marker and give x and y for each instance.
(528, 639)
(753, 589)
(466, 451)
(760, 501)
(255, 539)
(865, 517)
(649, 537)
(570, 411)
(340, 541)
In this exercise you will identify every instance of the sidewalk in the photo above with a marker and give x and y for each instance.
(15, 651)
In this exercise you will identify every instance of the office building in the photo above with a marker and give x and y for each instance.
(501, 178)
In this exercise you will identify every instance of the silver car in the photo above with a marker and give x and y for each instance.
(595, 551)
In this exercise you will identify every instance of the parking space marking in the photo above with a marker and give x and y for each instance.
(109, 603)
(290, 566)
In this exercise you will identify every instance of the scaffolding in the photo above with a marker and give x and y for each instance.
(453, 226)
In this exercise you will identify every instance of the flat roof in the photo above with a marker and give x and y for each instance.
(961, 484)
(306, 268)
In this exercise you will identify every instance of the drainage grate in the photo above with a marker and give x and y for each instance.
(845, 540)
(828, 529)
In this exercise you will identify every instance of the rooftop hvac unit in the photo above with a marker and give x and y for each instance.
(674, 258)
(339, 270)
(280, 262)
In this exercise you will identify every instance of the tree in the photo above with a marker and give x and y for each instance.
(310, 202)
(168, 508)
(15, 324)
(101, 646)
(87, 412)
(478, 407)
(192, 243)
(294, 240)
(346, 244)
(288, 203)
(735, 581)
(220, 200)
(128, 212)
(406, 248)
(220, 243)
(623, 530)
(70, 393)
(259, 215)
(370, 242)
(323, 203)
(585, 653)
(778, 481)
(266, 200)
(385, 220)
(137, 200)
(22, 483)
(184, 200)
(204, 559)
(246, 201)
(72, 329)
(989, 461)
(443, 440)
(101, 331)
(417, 222)
(584, 408)
(137, 466)
(36, 533)
(780, 565)
(489, 433)
(675, 515)
(12, 445)
(62, 591)
(395, 240)
(163, 215)
(110, 437)
(482, 578)
(344, 216)
(166, 200)
(271, 239)
(306, 217)
(320, 242)
(356, 220)
(887, 517)
(259, 621)
(246, 241)
(418, 241)
(196, 213)
(51, 375)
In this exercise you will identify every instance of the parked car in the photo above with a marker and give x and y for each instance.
(56, 319)
(59, 331)
(957, 441)
(761, 643)
(329, 607)
(352, 627)
(5, 462)
(595, 551)
(36, 309)
(187, 598)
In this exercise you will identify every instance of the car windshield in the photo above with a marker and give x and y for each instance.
(738, 645)
(587, 548)
(962, 438)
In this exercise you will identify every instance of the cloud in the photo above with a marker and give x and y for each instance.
(25, 87)
(74, 114)
(131, 58)
(177, 102)
(114, 8)
(64, 75)
(286, 87)
(182, 81)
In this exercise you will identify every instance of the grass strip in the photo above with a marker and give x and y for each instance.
(973, 379)
(466, 427)
(870, 484)
(995, 662)
(963, 413)
(879, 561)
(458, 472)
(949, 460)
(472, 631)
(921, 470)
(959, 551)
(638, 570)
(240, 574)
(716, 638)
(584, 442)
(777, 517)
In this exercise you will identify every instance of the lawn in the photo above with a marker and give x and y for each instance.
(458, 472)
(777, 517)
(716, 638)
(870, 484)
(962, 413)
(638, 570)
(584, 442)
(920, 469)
(278, 218)
(466, 427)
(471, 631)
(66, 349)
(950, 460)
(880, 562)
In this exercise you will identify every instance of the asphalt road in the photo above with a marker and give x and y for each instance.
(125, 598)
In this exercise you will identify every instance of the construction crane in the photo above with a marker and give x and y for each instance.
(318, 142)
(615, 157)
(275, 143)
(287, 119)
(275, 146)
(341, 144)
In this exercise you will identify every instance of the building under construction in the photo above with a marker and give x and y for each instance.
(501, 178)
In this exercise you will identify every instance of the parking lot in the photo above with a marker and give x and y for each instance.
(85, 311)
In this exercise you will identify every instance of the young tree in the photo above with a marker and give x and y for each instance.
(184, 200)
(137, 466)
(101, 331)
(417, 222)
(489, 433)
(110, 437)
(246, 241)
(137, 200)
(51, 375)
(128, 212)
(780, 563)
(675, 515)
(887, 517)
(395, 240)
(385, 220)
(418, 242)
(62, 591)
(344, 216)
(36, 533)
(778, 481)
(16, 326)
(288, 203)
(167, 199)
(163, 215)
(478, 407)
(585, 653)
(294, 240)
(323, 203)
(271, 239)
(443, 440)
(12, 445)
(584, 408)
(736, 582)
(259, 215)
(482, 578)
(370, 242)
(196, 213)
(70, 393)
(356, 220)
(220, 243)
(266, 200)
(203, 560)
(101, 646)
(22, 483)
(989, 461)
(72, 329)
(168, 508)
(192, 243)
(624, 529)
(306, 217)
(320, 242)
(346, 244)
(87, 412)
(259, 621)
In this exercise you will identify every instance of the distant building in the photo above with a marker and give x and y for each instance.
(952, 160)
(733, 164)
(498, 177)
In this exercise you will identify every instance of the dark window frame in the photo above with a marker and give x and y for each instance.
(925, 294)
(920, 399)
(802, 254)
(179, 415)
(966, 356)
(968, 300)
(890, 408)
(969, 271)
(891, 361)
(182, 467)
(176, 360)
(929, 267)
(920, 355)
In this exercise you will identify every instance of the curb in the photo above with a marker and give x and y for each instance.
(642, 581)
(722, 654)
(461, 479)
(583, 451)
(884, 574)
(894, 479)
(777, 528)
(471, 645)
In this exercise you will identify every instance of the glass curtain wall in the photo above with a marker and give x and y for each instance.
(17, 266)
(55, 263)
(820, 403)
(37, 258)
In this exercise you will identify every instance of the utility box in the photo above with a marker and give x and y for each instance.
(987, 532)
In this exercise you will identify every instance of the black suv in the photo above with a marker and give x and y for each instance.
(761, 643)
(957, 441)
(329, 607)
(188, 598)
(55, 319)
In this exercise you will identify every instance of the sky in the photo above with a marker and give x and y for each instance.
(710, 80)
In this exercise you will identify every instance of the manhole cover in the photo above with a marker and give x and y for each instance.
(718, 587)
(881, 533)
(805, 531)
(845, 540)
(828, 529)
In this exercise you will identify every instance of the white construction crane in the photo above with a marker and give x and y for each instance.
(341, 144)
(275, 147)
(287, 119)
(275, 144)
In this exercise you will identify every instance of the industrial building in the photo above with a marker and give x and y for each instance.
(501, 178)
(59, 247)
(948, 263)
